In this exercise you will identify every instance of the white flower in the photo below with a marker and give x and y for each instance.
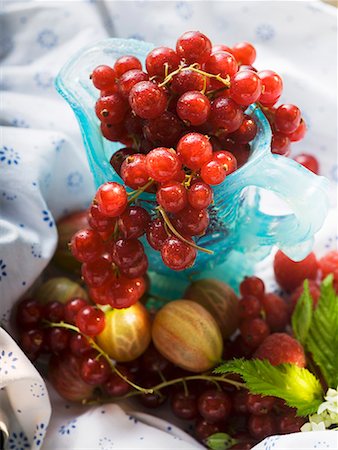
(327, 413)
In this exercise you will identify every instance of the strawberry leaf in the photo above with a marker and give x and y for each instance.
(322, 338)
(302, 316)
(297, 386)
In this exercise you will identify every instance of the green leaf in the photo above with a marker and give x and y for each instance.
(322, 339)
(302, 315)
(297, 386)
(220, 441)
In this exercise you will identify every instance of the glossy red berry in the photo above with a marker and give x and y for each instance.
(192, 222)
(87, 245)
(249, 307)
(99, 221)
(254, 331)
(54, 311)
(226, 114)
(184, 405)
(240, 401)
(213, 172)
(262, 426)
(227, 159)
(272, 87)
(194, 150)
(165, 130)
(172, 196)
(136, 270)
(252, 286)
(126, 292)
(246, 87)
(96, 273)
(280, 144)
(188, 80)
(111, 109)
(177, 255)
(115, 386)
(134, 171)
(193, 107)
(204, 429)
(127, 252)
(32, 341)
(244, 52)
(287, 118)
(161, 61)
(95, 370)
(329, 264)
(260, 405)
(147, 100)
(246, 132)
(72, 307)
(126, 63)
(133, 222)
(193, 46)
(290, 423)
(214, 405)
(290, 274)
(79, 345)
(156, 233)
(280, 348)
(90, 320)
(111, 199)
(308, 161)
(162, 164)
(200, 195)
(57, 339)
(129, 79)
(29, 313)
(103, 77)
(221, 63)
(276, 312)
(299, 133)
(113, 132)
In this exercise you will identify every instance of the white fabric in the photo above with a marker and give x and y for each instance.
(44, 173)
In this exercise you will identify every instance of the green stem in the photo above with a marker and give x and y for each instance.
(135, 194)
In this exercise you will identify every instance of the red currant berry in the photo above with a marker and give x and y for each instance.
(246, 132)
(221, 63)
(29, 313)
(200, 195)
(147, 100)
(136, 270)
(103, 77)
(193, 107)
(204, 429)
(129, 79)
(290, 423)
(192, 222)
(172, 196)
(152, 361)
(161, 60)
(226, 114)
(308, 161)
(227, 160)
(95, 370)
(120, 156)
(246, 87)
(184, 405)
(276, 312)
(111, 199)
(240, 402)
(249, 307)
(221, 48)
(90, 321)
(162, 164)
(79, 345)
(87, 245)
(194, 149)
(287, 118)
(134, 171)
(98, 221)
(111, 109)
(177, 255)
(57, 339)
(127, 252)
(32, 341)
(54, 311)
(115, 386)
(164, 130)
(101, 294)
(272, 87)
(252, 286)
(193, 47)
(254, 331)
(188, 80)
(126, 63)
(244, 52)
(133, 222)
(214, 405)
(280, 348)
(280, 144)
(126, 292)
(156, 233)
(72, 307)
(259, 405)
(262, 426)
(96, 273)
(299, 133)
(114, 133)
(213, 172)
(290, 274)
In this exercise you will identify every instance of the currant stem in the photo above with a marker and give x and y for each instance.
(135, 194)
(177, 234)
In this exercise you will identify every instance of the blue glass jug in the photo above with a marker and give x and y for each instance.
(240, 233)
